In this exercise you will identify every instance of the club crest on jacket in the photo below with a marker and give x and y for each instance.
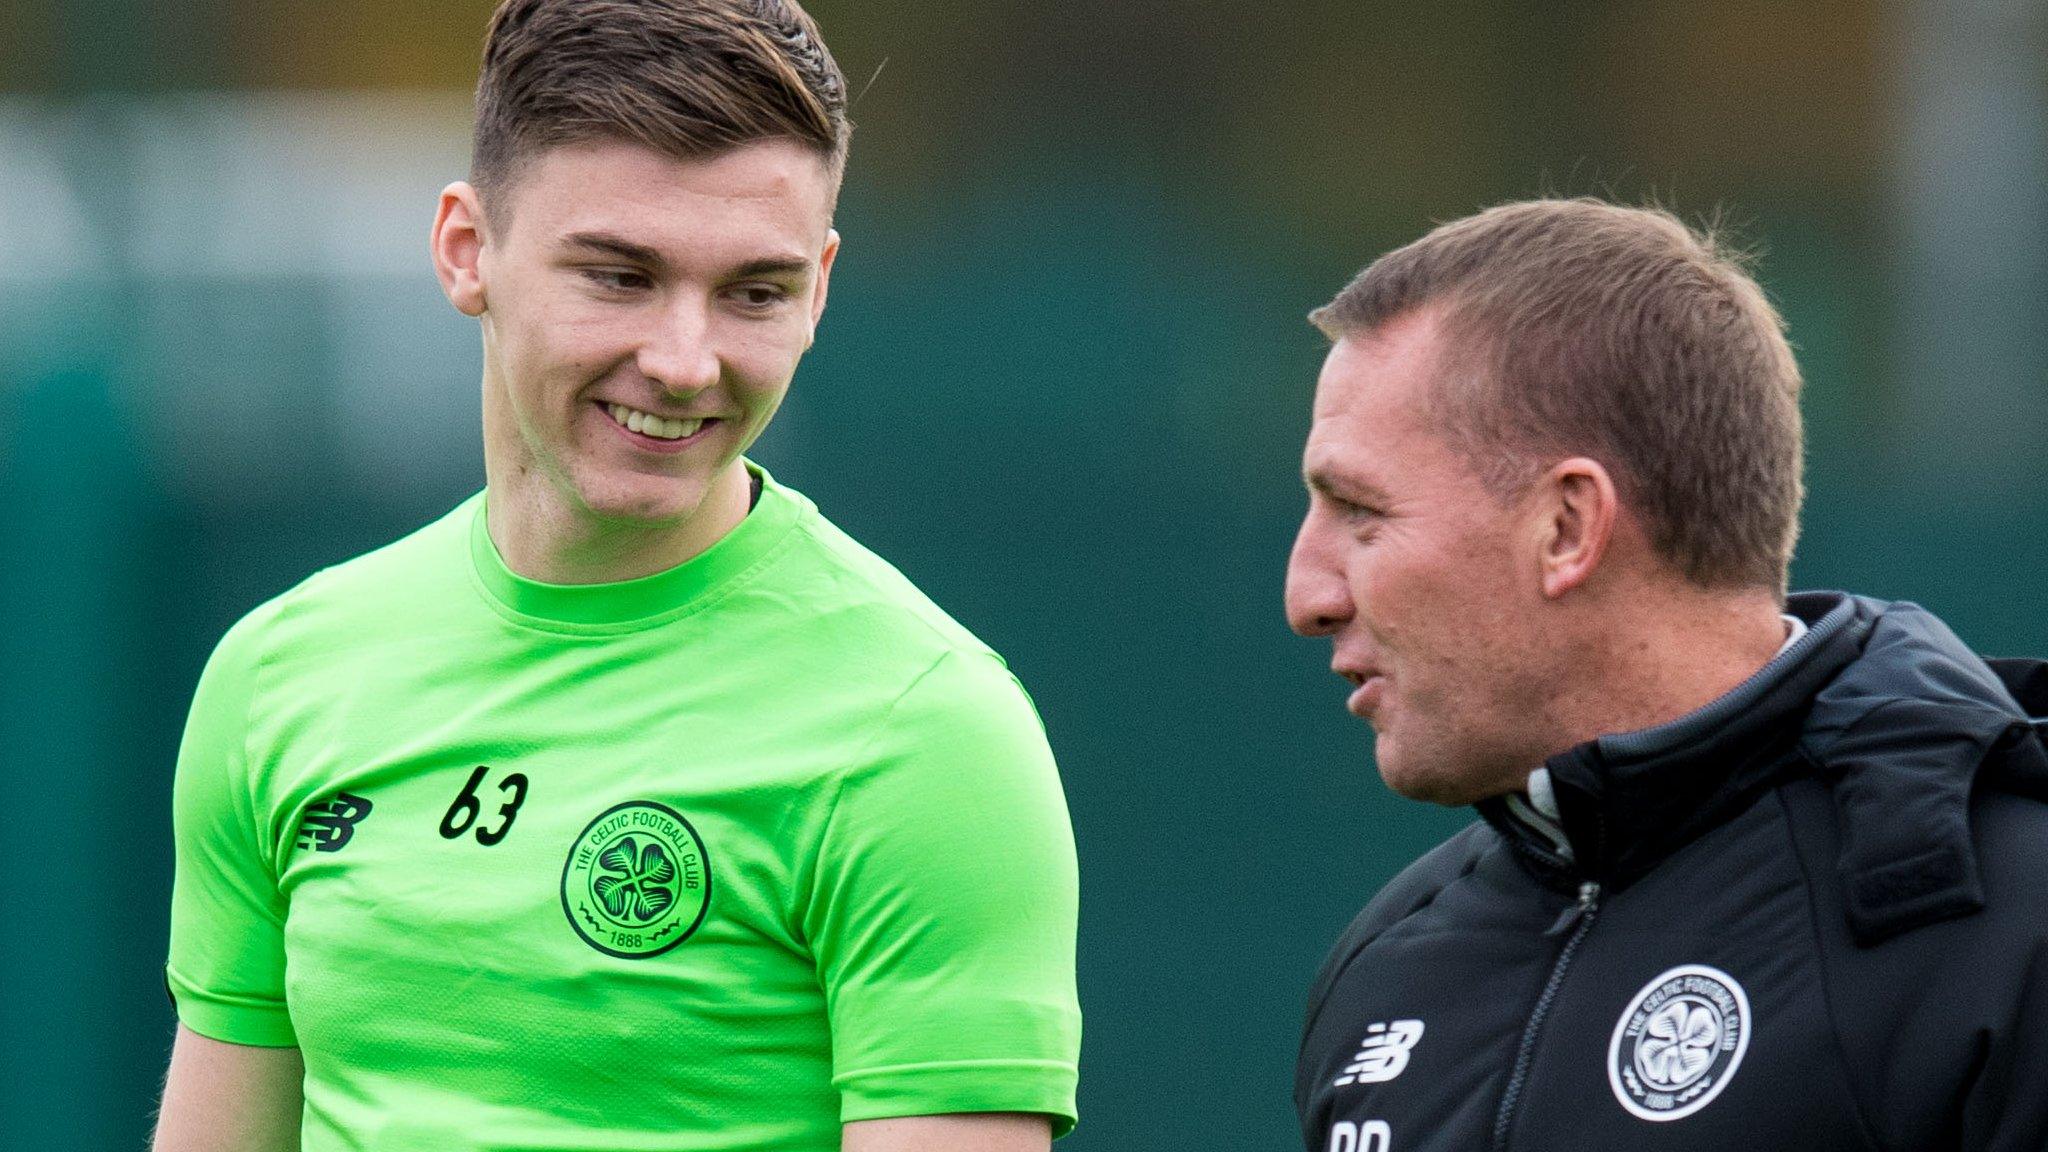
(1678, 1042)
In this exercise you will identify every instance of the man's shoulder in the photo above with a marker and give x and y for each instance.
(358, 596)
(1410, 891)
(1417, 885)
(854, 596)
(421, 560)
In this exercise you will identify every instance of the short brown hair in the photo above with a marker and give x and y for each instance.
(1577, 327)
(687, 78)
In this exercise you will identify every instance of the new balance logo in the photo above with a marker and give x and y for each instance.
(327, 827)
(1383, 1053)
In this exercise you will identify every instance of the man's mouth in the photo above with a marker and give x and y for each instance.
(1365, 700)
(1369, 688)
(658, 427)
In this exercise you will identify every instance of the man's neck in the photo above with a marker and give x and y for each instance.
(1654, 668)
(541, 537)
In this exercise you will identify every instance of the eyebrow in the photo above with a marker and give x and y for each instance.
(1343, 488)
(616, 246)
(641, 254)
(773, 266)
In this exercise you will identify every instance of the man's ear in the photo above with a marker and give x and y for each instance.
(457, 245)
(1576, 509)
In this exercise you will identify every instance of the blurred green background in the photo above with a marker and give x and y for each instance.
(1062, 385)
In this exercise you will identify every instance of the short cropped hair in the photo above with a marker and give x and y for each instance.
(687, 78)
(1577, 327)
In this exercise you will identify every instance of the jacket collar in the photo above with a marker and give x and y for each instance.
(1627, 800)
(1879, 699)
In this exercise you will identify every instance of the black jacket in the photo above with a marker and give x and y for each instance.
(1813, 915)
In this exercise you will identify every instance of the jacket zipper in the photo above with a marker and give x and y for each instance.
(1579, 918)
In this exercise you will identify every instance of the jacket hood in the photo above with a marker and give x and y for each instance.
(1904, 734)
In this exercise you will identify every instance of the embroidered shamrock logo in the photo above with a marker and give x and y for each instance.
(636, 884)
(1678, 1043)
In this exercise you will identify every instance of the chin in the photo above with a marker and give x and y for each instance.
(1413, 782)
(1400, 777)
(643, 499)
(1412, 787)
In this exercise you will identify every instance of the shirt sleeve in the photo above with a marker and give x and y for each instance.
(944, 906)
(226, 969)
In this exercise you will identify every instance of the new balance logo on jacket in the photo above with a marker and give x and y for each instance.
(1382, 1054)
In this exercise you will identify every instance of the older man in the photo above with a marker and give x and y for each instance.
(1753, 870)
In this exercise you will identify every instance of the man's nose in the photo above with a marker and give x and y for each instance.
(680, 353)
(1318, 599)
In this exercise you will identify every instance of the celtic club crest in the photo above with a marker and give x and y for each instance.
(1678, 1042)
(637, 881)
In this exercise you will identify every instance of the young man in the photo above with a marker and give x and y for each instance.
(630, 805)
(1753, 872)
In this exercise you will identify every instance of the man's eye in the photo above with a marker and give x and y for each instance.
(616, 279)
(760, 297)
(1360, 515)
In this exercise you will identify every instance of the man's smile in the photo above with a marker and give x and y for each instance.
(660, 433)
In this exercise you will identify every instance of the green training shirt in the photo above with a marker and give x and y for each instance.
(716, 859)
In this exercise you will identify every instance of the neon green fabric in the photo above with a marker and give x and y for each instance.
(716, 859)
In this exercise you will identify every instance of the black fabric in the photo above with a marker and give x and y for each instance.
(1409, 893)
(1852, 840)
(1901, 733)
(2027, 681)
